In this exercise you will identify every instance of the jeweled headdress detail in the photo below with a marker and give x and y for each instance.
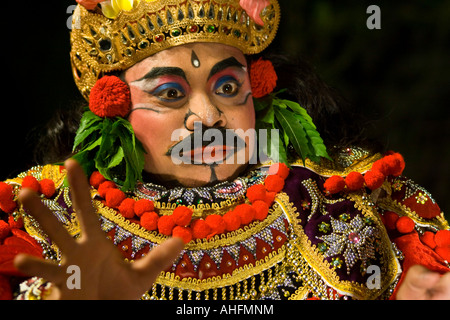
(106, 39)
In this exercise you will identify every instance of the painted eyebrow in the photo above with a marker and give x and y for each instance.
(224, 64)
(163, 71)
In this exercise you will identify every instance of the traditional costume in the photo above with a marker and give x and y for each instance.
(304, 227)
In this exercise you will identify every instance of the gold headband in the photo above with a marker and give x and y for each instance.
(102, 45)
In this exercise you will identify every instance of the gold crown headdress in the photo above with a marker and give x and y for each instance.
(102, 45)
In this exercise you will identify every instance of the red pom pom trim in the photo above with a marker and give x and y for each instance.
(104, 187)
(184, 233)
(96, 179)
(126, 208)
(274, 183)
(182, 216)
(216, 223)
(143, 205)
(114, 198)
(166, 225)
(279, 169)
(149, 220)
(354, 181)
(256, 192)
(374, 179)
(232, 220)
(47, 187)
(392, 164)
(200, 229)
(260, 196)
(110, 97)
(334, 184)
(405, 225)
(32, 183)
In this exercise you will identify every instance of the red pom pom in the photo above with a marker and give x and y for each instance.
(381, 166)
(428, 239)
(232, 220)
(96, 179)
(6, 192)
(395, 164)
(184, 233)
(279, 169)
(256, 192)
(143, 205)
(200, 229)
(31, 183)
(354, 181)
(334, 184)
(442, 238)
(166, 225)
(126, 208)
(390, 219)
(5, 230)
(105, 186)
(443, 252)
(110, 97)
(216, 223)
(149, 221)
(400, 167)
(274, 183)
(374, 179)
(270, 198)
(263, 78)
(15, 224)
(114, 198)
(246, 212)
(261, 210)
(47, 187)
(405, 225)
(8, 206)
(182, 216)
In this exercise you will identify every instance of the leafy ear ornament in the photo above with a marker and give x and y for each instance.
(105, 140)
(295, 127)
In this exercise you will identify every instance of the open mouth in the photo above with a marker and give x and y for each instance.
(201, 152)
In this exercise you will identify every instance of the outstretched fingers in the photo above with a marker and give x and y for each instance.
(46, 219)
(39, 267)
(81, 198)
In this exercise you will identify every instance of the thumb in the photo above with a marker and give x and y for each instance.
(417, 283)
(159, 259)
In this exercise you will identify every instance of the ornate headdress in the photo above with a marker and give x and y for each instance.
(116, 34)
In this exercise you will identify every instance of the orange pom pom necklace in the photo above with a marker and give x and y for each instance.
(180, 223)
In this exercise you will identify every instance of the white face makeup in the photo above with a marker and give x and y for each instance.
(192, 109)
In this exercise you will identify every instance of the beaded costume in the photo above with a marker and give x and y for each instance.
(316, 241)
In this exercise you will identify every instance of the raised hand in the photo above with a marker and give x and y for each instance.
(103, 272)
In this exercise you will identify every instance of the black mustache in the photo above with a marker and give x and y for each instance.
(189, 142)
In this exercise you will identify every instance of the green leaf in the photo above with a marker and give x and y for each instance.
(294, 130)
(270, 116)
(89, 123)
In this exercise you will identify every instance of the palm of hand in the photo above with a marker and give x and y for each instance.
(103, 274)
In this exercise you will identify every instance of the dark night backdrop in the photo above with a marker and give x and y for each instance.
(398, 76)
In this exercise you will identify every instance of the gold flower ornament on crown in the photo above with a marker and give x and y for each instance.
(115, 35)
